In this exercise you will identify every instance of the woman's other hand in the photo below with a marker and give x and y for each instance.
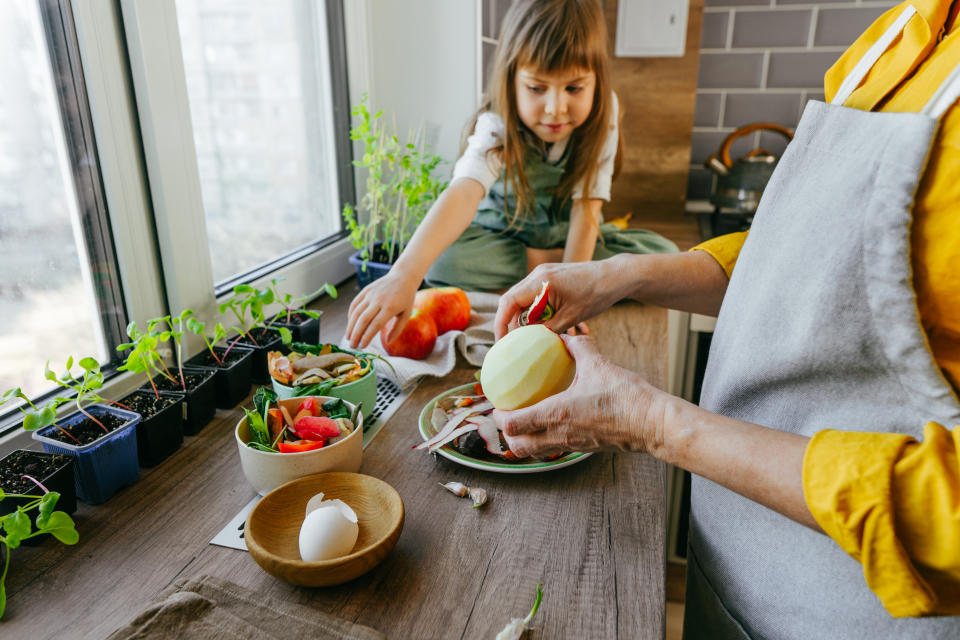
(380, 301)
(578, 290)
(605, 408)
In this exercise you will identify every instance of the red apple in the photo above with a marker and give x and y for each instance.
(448, 306)
(416, 339)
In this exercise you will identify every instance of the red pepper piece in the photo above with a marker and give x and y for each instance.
(299, 445)
(316, 428)
(308, 405)
(477, 389)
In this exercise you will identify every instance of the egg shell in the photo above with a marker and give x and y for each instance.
(326, 533)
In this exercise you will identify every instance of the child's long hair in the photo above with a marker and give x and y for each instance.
(549, 36)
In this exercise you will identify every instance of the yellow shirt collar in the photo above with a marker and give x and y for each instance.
(919, 36)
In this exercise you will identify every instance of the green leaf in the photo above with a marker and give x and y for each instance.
(242, 288)
(69, 363)
(88, 364)
(47, 504)
(17, 527)
(286, 336)
(48, 373)
(31, 422)
(61, 526)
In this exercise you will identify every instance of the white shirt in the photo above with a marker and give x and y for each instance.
(488, 133)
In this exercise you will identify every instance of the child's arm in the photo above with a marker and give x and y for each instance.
(584, 227)
(392, 295)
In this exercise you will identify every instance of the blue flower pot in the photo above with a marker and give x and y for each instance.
(104, 466)
(369, 271)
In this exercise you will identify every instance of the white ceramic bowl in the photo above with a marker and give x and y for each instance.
(267, 470)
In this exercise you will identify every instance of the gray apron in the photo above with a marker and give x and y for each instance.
(819, 329)
(491, 254)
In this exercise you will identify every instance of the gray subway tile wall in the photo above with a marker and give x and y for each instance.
(761, 61)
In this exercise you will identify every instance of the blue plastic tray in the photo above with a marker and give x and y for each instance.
(104, 466)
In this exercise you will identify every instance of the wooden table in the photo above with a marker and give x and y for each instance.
(592, 533)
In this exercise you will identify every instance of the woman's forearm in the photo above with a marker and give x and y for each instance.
(443, 224)
(762, 464)
(692, 281)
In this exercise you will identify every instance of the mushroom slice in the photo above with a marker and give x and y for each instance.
(318, 374)
(322, 362)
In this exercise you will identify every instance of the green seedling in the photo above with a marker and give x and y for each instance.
(85, 387)
(199, 328)
(16, 527)
(143, 356)
(177, 326)
(293, 305)
(246, 300)
(400, 185)
(37, 418)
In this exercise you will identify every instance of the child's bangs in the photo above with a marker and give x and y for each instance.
(551, 48)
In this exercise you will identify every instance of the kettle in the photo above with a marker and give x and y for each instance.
(740, 184)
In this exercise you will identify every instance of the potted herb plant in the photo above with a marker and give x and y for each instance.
(304, 324)
(21, 471)
(247, 305)
(17, 526)
(196, 383)
(231, 364)
(399, 191)
(160, 431)
(102, 439)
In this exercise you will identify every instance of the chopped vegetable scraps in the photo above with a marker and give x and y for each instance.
(540, 310)
(314, 427)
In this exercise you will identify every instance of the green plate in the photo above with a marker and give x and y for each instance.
(448, 452)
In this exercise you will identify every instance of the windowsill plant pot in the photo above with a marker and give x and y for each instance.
(199, 398)
(363, 390)
(303, 327)
(374, 269)
(53, 470)
(266, 470)
(267, 340)
(232, 378)
(104, 466)
(160, 431)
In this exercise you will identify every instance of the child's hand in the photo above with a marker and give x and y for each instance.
(389, 297)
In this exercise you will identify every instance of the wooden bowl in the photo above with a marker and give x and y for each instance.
(272, 531)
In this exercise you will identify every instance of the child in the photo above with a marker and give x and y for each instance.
(530, 183)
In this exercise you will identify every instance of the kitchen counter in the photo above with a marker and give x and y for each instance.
(592, 533)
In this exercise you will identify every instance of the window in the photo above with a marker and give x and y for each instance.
(60, 293)
(258, 81)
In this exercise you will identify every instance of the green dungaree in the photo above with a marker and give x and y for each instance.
(490, 255)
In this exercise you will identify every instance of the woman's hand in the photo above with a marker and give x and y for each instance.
(379, 302)
(605, 408)
(578, 290)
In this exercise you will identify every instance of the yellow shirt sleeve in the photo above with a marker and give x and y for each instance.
(894, 505)
(724, 249)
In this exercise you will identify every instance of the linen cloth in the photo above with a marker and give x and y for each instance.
(209, 608)
(472, 343)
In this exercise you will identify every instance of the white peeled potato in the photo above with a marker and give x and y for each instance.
(527, 365)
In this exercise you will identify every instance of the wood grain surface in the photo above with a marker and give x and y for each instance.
(592, 533)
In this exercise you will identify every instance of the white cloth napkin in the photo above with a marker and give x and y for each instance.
(473, 343)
